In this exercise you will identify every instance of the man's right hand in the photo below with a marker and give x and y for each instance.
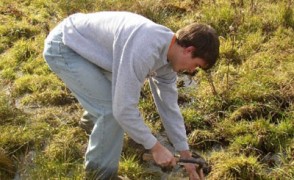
(162, 156)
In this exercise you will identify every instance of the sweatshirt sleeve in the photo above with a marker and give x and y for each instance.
(166, 96)
(130, 75)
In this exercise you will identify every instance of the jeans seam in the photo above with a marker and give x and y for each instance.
(103, 133)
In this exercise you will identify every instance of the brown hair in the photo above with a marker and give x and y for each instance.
(204, 38)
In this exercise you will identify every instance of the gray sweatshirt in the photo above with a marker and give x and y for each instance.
(132, 48)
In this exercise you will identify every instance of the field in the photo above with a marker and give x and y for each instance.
(239, 115)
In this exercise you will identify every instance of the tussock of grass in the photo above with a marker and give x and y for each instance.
(50, 97)
(287, 16)
(7, 167)
(57, 116)
(256, 111)
(201, 139)
(62, 157)
(220, 17)
(28, 84)
(16, 137)
(230, 166)
(67, 146)
(262, 137)
(130, 167)
(51, 169)
(9, 114)
(42, 89)
(19, 58)
(193, 118)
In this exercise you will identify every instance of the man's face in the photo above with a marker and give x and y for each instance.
(185, 63)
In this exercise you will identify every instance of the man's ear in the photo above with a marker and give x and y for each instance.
(189, 49)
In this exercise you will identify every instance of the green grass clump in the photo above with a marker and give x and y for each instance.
(129, 166)
(50, 169)
(287, 17)
(231, 166)
(58, 116)
(194, 121)
(17, 138)
(286, 170)
(220, 17)
(17, 57)
(41, 89)
(28, 84)
(256, 111)
(263, 137)
(201, 139)
(63, 156)
(67, 145)
(15, 31)
(36, 66)
(8, 113)
(7, 167)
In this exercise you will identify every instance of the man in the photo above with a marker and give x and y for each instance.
(104, 59)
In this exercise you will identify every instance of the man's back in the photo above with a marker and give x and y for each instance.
(95, 35)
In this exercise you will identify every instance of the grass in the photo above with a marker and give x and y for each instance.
(245, 128)
(130, 167)
(230, 166)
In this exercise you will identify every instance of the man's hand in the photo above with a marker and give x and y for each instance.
(195, 173)
(162, 156)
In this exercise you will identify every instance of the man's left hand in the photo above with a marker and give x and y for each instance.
(195, 173)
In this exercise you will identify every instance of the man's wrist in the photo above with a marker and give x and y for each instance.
(185, 154)
(181, 146)
(155, 147)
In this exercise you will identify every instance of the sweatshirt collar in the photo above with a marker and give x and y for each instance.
(172, 42)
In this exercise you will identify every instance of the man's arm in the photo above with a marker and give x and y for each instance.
(137, 57)
(126, 92)
(165, 95)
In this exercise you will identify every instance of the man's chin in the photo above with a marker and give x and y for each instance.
(188, 73)
(176, 70)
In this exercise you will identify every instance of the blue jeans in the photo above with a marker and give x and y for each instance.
(91, 85)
